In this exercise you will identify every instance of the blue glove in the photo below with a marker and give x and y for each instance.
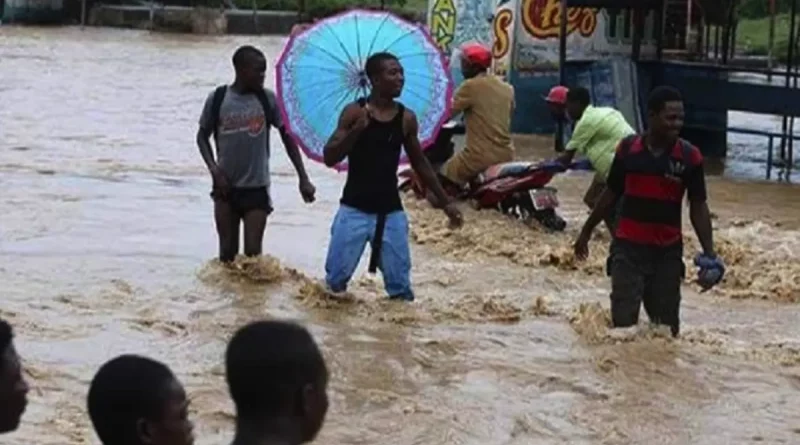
(552, 165)
(583, 164)
(711, 272)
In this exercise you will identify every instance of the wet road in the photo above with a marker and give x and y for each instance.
(106, 247)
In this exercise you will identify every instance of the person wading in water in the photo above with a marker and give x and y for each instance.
(371, 134)
(239, 117)
(651, 173)
(598, 131)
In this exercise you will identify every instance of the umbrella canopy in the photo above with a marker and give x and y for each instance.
(321, 70)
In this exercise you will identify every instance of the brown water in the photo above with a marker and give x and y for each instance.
(106, 244)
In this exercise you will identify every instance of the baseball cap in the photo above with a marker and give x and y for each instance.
(557, 95)
(477, 54)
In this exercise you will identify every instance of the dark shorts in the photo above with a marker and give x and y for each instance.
(646, 275)
(244, 200)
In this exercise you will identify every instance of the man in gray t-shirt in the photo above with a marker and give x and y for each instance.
(240, 174)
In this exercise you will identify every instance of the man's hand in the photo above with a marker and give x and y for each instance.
(711, 272)
(363, 120)
(307, 190)
(219, 180)
(456, 218)
(581, 247)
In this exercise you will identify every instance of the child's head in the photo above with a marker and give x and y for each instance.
(276, 371)
(135, 400)
(13, 388)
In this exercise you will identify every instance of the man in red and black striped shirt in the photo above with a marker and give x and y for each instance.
(651, 172)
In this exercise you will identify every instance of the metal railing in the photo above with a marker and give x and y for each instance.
(786, 156)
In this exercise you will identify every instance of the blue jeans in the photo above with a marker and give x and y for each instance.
(351, 230)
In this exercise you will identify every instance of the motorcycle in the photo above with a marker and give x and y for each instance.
(517, 189)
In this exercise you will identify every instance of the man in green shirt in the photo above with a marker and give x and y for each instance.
(596, 134)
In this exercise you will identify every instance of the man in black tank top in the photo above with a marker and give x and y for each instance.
(371, 134)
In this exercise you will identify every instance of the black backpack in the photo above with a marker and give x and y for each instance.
(219, 96)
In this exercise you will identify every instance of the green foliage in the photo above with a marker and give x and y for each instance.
(752, 36)
(756, 9)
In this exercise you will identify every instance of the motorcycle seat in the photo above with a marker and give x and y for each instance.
(506, 169)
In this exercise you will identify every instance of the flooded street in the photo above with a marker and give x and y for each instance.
(107, 246)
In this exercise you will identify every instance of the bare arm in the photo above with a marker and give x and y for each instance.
(294, 154)
(699, 214)
(615, 186)
(341, 142)
(204, 144)
(204, 132)
(701, 221)
(417, 158)
(604, 205)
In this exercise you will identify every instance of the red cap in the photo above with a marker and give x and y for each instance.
(557, 95)
(477, 54)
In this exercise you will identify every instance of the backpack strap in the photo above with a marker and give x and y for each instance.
(267, 105)
(216, 105)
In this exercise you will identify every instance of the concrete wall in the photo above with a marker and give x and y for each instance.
(196, 20)
(265, 22)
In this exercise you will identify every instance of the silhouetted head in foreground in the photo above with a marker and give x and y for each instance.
(385, 74)
(278, 381)
(13, 387)
(578, 98)
(251, 67)
(135, 400)
(665, 114)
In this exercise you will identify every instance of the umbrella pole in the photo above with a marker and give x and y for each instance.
(562, 72)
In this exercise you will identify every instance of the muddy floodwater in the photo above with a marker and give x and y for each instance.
(107, 247)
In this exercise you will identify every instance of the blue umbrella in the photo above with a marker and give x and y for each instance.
(321, 70)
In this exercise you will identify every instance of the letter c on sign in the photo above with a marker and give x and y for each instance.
(502, 39)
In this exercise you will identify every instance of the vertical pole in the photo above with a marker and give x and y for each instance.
(792, 66)
(637, 34)
(734, 28)
(562, 59)
(83, 13)
(688, 23)
(726, 35)
(562, 42)
(659, 31)
(769, 156)
(789, 64)
(771, 39)
(255, 17)
(708, 42)
(716, 42)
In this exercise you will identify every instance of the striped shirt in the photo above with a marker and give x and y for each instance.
(652, 188)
